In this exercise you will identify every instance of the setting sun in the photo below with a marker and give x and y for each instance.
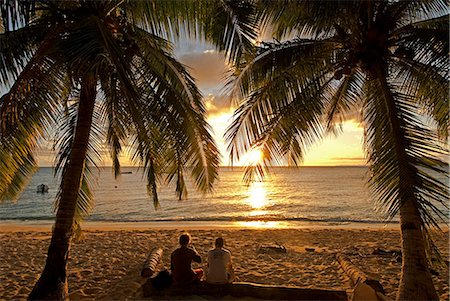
(253, 157)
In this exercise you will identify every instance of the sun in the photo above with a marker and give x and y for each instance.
(253, 157)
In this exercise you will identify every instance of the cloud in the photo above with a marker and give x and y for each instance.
(207, 67)
(218, 104)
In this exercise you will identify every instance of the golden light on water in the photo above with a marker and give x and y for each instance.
(264, 224)
(257, 196)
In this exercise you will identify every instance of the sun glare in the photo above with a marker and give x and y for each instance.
(263, 224)
(253, 157)
(257, 195)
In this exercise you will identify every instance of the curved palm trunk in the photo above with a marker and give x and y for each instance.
(52, 285)
(416, 282)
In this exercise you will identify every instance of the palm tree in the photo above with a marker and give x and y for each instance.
(97, 69)
(387, 60)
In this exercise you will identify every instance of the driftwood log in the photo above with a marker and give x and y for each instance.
(245, 289)
(366, 288)
(150, 264)
(272, 249)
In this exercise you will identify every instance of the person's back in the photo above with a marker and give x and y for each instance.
(180, 262)
(219, 265)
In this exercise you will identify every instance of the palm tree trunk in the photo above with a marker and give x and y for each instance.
(52, 285)
(416, 282)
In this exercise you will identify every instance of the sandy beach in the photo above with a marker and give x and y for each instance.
(105, 262)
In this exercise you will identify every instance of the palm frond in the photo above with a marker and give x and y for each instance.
(15, 13)
(316, 19)
(284, 79)
(406, 12)
(17, 48)
(152, 178)
(175, 171)
(116, 118)
(344, 98)
(27, 112)
(181, 103)
(17, 165)
(284, 59)
(401, 154)
(427, 45)
(167, 19)
(429, 87)
(232, 27)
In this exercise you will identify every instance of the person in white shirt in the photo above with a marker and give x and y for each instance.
(220, 268)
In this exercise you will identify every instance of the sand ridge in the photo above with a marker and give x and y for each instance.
(105, 264)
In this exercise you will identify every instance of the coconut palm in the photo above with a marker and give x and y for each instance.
(98, 70)
(387, 60)
(104, 71)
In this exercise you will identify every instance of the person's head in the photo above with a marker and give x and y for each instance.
(185, 238)
(219, 242)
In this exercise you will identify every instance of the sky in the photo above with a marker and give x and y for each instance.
(209, 68)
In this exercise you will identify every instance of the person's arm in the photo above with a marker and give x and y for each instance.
(196, 257)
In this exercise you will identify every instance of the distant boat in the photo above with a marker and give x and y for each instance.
(126, 172)
(42, 188)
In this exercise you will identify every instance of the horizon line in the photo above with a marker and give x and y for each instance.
(231, 166)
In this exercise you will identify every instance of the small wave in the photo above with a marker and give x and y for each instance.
(216, 219)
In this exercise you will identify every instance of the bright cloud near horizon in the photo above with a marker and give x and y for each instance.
(209, 68)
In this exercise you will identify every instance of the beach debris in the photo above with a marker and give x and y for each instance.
(365, 288)
(397, 254)
(150, 264)
(245, 289)
(280, 249)
(162, 280)
(42, 188)
(382, 252)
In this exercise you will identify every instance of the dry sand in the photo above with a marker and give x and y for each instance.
(105, 263)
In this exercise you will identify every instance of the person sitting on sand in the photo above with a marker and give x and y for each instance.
(181, 259)
(220, 268)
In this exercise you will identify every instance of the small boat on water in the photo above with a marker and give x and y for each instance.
(42, 188)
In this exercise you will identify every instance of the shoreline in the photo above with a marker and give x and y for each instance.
(45, 226)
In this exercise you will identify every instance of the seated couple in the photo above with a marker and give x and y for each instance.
(220, 270)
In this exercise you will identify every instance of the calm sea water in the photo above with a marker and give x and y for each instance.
(307, 194)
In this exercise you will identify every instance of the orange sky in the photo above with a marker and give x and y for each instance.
(209, 69)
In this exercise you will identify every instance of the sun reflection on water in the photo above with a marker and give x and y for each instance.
(264, 224)
(257, 196)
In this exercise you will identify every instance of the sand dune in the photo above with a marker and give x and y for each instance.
(105, 263)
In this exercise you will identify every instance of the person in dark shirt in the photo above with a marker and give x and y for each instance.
(181, 259)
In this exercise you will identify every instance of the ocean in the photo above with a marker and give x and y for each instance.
(319, 195)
